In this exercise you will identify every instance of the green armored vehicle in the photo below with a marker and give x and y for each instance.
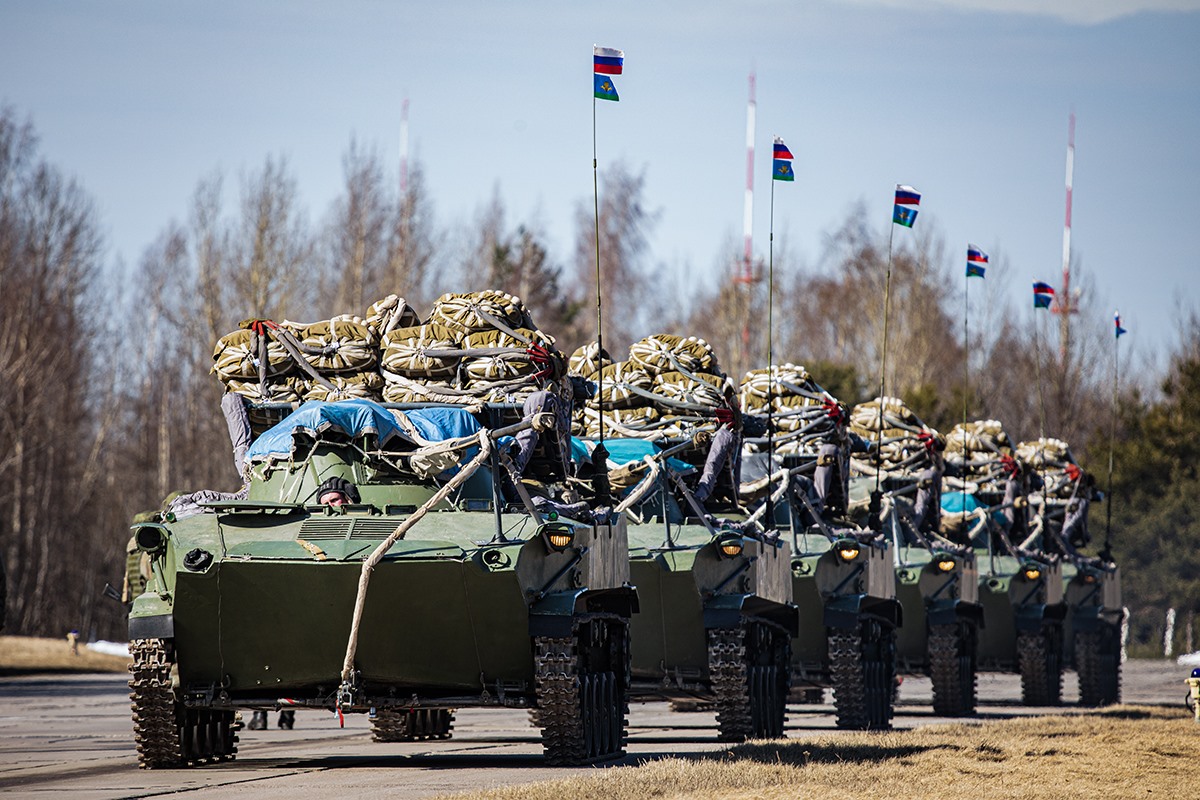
(1020, 582)
(1092, 590)
(937, 578)
(716, 613)
(431, 584)
(716, 616)
(843, 581)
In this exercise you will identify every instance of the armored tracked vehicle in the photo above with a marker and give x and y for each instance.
(1020, 583)
(843, 581)
(716, 615)
(437, 586)
(937, 578)
(1092, 590)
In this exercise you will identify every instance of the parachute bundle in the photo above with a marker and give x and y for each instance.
(475, 347)
(1052, 460)
(798, 406)
(669, 388)
(975, 448)
(906, 443)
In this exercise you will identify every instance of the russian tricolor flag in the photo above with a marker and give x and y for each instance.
(607, 60)
(1117, 321)
(976, 262)
(781, 150)
(907, 196)
(1043, 295)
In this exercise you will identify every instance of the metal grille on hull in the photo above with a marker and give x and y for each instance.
(322, 528)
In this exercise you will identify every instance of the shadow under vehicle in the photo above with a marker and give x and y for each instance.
(716, 613)
(429, 593)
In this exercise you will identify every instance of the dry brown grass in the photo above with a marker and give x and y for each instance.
(1126, 751)
(26, 654)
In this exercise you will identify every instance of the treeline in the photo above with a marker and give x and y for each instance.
(107, 403)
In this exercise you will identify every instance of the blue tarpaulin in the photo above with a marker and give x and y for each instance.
(623, 451)
(440, 424)
(350, 418)
(958, 502)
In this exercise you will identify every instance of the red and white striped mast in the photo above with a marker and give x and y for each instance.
(746, 275)
(404, 149)
(1065, 305)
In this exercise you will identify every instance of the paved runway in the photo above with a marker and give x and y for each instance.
(72, 734)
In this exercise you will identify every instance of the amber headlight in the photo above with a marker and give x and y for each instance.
(559, 537)
(946, 563)
(847, 550)
(1032, 572)
(730, 546)
(1089, 577)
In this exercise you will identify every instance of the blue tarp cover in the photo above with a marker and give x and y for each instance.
(440, 424)
(958, 502)
(623, 451)
(351, 418)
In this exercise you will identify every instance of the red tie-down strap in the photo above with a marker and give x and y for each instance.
(724, 416)
(540, 357)
(261, 326)
(927, 439)
(1073, 472)
(1009, 464)
(834, 411)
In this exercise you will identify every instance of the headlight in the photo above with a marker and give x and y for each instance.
(946, 563)
(1089, 577)
(730, 546)
(559, 537)
(151, 539)
(1032, 572)
(847, 550)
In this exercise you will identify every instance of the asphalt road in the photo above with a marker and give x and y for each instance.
(72, 734)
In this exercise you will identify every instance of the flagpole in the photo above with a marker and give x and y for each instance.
(1037, 356)
(770, 514)
(966, 375)
(1112, 435)
(599, 453)
(887, 301)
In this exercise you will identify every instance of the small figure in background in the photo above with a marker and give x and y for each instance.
(73, 641)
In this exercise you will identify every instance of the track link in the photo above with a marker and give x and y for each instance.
(952, 668)
(1039, 660)
(582, 684)
(863, 671)
(412, 725)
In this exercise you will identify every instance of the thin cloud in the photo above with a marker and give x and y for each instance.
(1079, 12)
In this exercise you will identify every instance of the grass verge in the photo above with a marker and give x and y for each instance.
(21, 655)
(1124, 751)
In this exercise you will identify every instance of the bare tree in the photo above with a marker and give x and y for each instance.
(356, 239)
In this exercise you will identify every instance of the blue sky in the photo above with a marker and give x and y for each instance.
(967, 100)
